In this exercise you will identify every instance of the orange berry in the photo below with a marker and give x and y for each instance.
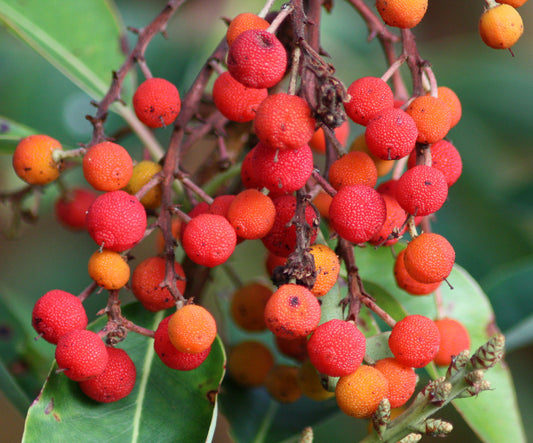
(235, 101)
(318, 141)
(394, 220)
(322, 201)
(292, 311)
(359, 393)
(500, 27)
(249, 362)
(244, 22)
(391, 134)
(107, 166)
(257, 59)
(251, 214)
(146, 284)
(282, 171)
(109, 269)
(282, 383)
(445, 157)
(429, 258)
(336, 348)
(248, 306)
(357, 213)
(192, 329)
(156, 102)
(33, 161)
(327, 268)
(71, 208)
(354, 168)
(368, 96)
(209, 240)
(402, 380)
(454, 338)
(432, 116)
(422, 190)
(414, 341)
(295, 348)
(382, 166)
(450, 98)
(310, 383)
(284, 121)
(402, 13)
(142, 173)
(408, 283)
(513, 3)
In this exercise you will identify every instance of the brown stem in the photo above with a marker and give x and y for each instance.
(323, 183)
(87, 291)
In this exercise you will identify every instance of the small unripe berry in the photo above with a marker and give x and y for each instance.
(336, 348)
(71, 208)
(56, 313)
(156, 102)
(107, 166)
(192, 329)
(414, 341)
(408, 283)
(501, 26)
(81, 354)
(454, 338)
(142, 174)
(116, 382)
(116, 220)
(33, 162)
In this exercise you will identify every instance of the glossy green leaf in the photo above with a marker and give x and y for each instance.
(81, 39)
(166, 405)
(10, 133)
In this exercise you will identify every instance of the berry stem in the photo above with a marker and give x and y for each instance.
(194, 187)
(87, 291)
(393, 67)
(59, 155)
(264, 11)
(295, 68)
(375, 26)
(154, 181)
(432, 80)
(324, 184)
(282, 15)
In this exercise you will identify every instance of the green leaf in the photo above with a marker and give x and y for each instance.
(11, 131)
(165, 404)
(519, 335)
(81, 39)
(12, 390)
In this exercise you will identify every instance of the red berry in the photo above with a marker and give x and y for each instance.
(156, 102)
(394, 220)
(117, 220)
(369, 95)
(257, 59)
(336, 348)
(71, 208)
(81, 354)
(117, 380)
(56, 313)
(402, 380)
(454, 338)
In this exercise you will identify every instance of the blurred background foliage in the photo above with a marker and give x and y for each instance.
(488, 217)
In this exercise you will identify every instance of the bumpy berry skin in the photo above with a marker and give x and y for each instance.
(359, 393)
(249, 177)
(235, 101)
(109, 269)
(382, 166)
(432, 116)
(336, 348)
(192, 329)
(292, 311)
(142, 173)
(354, 168)
(402, 380)
(429, 258)
(284, 121)
(244, 22)
(369, 95)
(414, 341)
(56, 313)
(257, 59)
(107, 166)
(327, 268)
(401, 13)
(221, 204)
(117, 220)
(116, 382)
(448, 96)
(33, 162)
(500, 27)
(156, 102)
(209, 240)
(391, 134)
(146, 284)
(71, 208)
(318, 141)
(170, 356)
(282, 383)
(357, 213)
(454, 338)
(249, 363)
(251, 214)
(82, 354)
(248, 306)
(395, 218)
(408, 283)
(310, 384)
(445, 157)
(281, 240)
(282, 171)
(422, 190)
